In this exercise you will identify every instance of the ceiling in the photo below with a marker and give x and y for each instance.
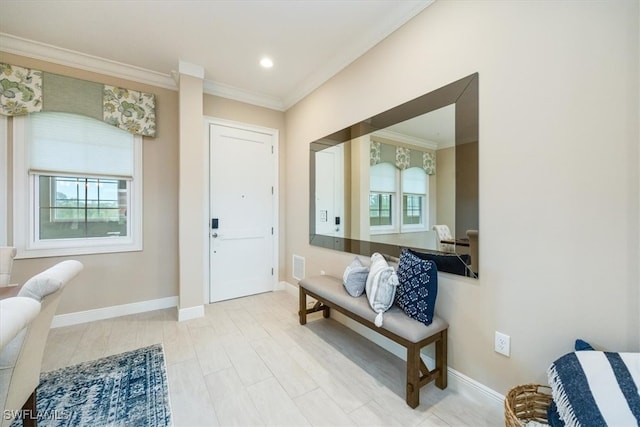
(309, 41)
(435, 129)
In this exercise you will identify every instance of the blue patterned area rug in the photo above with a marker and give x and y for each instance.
(127, 389)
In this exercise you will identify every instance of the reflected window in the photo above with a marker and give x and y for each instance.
(380, 212)
(388, 188)
(415, 183)
(412, 209)
(383, 185)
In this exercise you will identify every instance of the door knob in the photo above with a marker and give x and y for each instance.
(214, 235)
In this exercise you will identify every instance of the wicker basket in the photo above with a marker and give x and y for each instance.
(524, 403)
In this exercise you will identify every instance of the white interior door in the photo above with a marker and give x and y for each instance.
(242, 180)
(330, 191)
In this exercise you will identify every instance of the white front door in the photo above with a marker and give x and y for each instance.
(242, 220)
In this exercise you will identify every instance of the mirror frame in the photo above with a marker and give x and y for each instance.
(464, 94)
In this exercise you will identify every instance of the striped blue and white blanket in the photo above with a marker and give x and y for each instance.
(596, 388)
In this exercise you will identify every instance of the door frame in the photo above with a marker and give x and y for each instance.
(275, 136)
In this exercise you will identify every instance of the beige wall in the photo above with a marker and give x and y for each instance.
(122, 278)
(559, 233)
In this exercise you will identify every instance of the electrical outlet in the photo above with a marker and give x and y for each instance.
(502, 344)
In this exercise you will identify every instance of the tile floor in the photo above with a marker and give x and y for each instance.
(248, 362)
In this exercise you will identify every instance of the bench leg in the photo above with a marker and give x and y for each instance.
(302, 313)
(441, 360)
(413, 376)
(326, 310)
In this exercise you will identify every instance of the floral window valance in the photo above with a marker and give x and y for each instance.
(403, 158)
(25, 91)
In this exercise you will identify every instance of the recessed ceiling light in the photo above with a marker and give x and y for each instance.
(266, 62)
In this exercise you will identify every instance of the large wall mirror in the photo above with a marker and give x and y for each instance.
(405, 178)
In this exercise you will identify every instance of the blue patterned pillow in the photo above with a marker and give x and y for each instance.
(418, 286)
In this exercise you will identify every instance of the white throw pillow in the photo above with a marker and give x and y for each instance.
(355, 277)
(381, 286)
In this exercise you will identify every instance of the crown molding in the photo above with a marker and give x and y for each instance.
(45, 52)
(69, 58)
(24, 47)
(243, 95)
(19, 46)
(323, 74)
(190, 69)
(406, 139)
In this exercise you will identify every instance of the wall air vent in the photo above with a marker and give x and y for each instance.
(298, 267)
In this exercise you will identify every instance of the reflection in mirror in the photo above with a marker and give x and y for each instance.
(407, 177)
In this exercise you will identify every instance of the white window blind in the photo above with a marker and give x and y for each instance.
(414, 181)
(383, 178)
(69, 143)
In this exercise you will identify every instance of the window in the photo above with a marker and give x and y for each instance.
(414, 182)
(79, 186)
(397, 199)
(412, 209)
(382, 184)
(380, 209)
(72, 207)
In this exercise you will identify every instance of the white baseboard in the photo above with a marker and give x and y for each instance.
(113, 311)
(456, 380)
(467, 385)
(289, 288)
(190, 313)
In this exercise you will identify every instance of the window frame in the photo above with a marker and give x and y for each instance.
(424, 224)
(397, 225)
(405, 209)
(54, 200)
(4, 179)
(392, 215)
(394, 227)
(26, 201)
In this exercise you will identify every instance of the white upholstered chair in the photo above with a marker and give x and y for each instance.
(21, 358)
(7, 254)
(443, 233)
(15, 314)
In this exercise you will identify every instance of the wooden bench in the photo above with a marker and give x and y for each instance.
(398, 327)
